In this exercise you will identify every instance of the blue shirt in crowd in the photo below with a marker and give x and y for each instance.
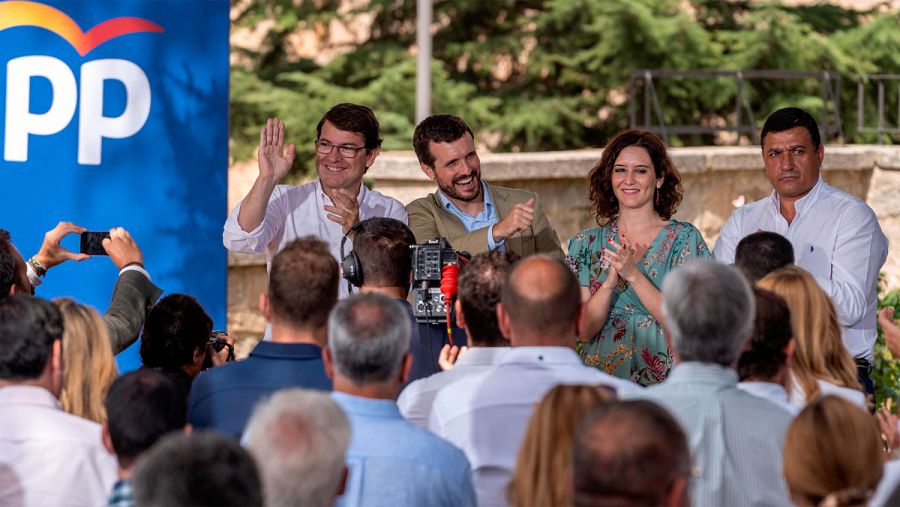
(487, 218)
(222, 398)
(394, 462)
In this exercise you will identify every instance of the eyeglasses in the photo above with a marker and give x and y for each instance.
(346, 150)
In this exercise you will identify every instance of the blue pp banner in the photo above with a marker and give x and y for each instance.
(116, 114)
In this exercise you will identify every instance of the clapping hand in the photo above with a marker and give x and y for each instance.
(274, 160)
(345, 210)
(623, 259)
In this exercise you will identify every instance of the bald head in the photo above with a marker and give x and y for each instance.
(541, 303)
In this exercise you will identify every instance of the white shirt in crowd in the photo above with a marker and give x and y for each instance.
(486, 415)
(417, 398)
(49, 457)
(297, 211)
(836, 237)
(854, 396)
(776, 393)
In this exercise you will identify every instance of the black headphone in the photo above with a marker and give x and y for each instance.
(351, 267)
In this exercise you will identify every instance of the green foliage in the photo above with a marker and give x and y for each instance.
(886, 371)
(552, 74)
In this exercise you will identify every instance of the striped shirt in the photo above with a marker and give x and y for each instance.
(736, 438)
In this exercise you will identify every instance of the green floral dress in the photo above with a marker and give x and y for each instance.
(631, 344)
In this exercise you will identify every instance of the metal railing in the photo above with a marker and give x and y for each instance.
(743, 113)
(881, 129)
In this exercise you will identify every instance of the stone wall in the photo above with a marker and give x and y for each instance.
(713, 178)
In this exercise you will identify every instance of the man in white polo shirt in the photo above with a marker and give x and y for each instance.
(836, 237)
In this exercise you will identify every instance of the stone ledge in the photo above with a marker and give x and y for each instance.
(403, 166)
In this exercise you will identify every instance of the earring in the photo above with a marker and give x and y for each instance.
(656, 193)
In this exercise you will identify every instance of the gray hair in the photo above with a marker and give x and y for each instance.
(299, 438)
(368, 336)
(709, 309)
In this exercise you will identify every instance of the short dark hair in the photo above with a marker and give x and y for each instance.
(762, 252)
(174, 329)
(141, 407)
(553, 311)
(200, 469)
(353, 118)
(481, 283)
(382, 246)
(788, 118)
(628, 453)
(771, 334)
(303, 283)
(605, 203)
(8, 264)
(439, 128)
(28, 328)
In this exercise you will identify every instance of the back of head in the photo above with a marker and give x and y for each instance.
(788, 118)
(765, 356)
(368, 336)
(762, 252)
(200, 469)
(173, 331)
(832, 450)
(481, 283)
(28, 328)
(709, 310)
(628, 453)
(819, 352)
(353, 118)
(299, 433)
(382, 246)
(542, 300)
(142, 407)
(545, 457)
(303, 284)
(439, 128)
(8, 264)
(88, 357)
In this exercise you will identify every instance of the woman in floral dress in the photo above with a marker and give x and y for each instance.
(635, 190)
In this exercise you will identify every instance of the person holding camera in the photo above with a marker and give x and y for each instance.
(473, 215)
(303, 287)
(178, 337)
(133, 295)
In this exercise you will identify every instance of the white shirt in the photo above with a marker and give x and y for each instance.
(855, 396)
(836, 237)
(297, 211)
(890, 481)
(771, 391)
(486, 415)
(417, 398)
(49, 457)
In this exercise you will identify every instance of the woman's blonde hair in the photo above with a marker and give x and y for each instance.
(819, 352)
(546, 454)
(89, 365)
(832, 454)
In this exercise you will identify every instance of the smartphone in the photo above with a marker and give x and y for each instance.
(92, 243)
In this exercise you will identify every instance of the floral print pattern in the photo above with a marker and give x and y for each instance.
(631, 344)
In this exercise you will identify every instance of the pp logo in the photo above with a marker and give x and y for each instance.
(93, 126)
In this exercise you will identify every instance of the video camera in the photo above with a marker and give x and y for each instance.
(428, 261)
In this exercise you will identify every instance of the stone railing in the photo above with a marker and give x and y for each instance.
(713, 177)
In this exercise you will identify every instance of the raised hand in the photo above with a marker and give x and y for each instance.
(449, 355)
(52, 253)
(518, 220)
(345, 210)
(274, 160)
(122, 249)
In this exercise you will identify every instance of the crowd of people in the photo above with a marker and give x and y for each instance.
(637, 367)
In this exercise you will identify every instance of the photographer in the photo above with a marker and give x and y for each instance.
(178, 337)
(382, 248)
(133, 294)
